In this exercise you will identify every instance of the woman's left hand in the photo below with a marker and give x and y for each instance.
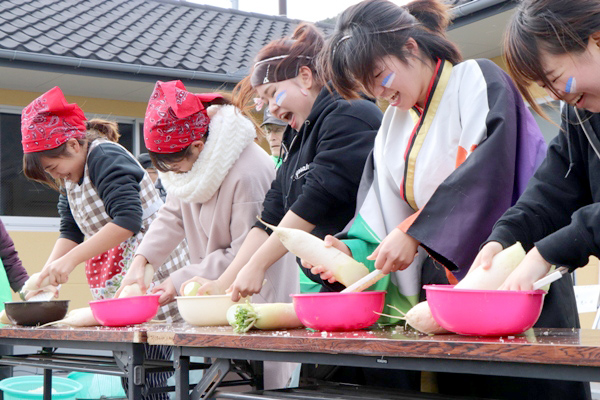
(396, 252)
(168, 291)
(532, 268)
(58, 271)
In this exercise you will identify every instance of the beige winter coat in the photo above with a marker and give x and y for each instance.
(216, 229)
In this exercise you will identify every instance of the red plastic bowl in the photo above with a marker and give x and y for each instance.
(484, 312)
(338, 311)
(125, 311)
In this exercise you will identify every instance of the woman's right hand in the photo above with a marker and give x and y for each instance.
(207, 287)
(485, 256)
(322, 271)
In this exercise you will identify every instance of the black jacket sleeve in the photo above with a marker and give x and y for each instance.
(68, 227)
(16, 274)
(556, 213)
(273, 207)
(117, 176)
(345, 141)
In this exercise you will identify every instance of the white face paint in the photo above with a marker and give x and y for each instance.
(280, 97)
(388, 80)
(571, 86)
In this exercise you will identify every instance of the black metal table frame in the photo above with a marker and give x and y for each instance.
(222, 356)
(129, 361)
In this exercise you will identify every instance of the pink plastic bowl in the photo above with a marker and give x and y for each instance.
(125, 311)
(338, 311)
(484, 312)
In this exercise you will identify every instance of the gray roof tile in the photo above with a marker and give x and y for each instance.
(82, 52)
(34, 47)
(8, 43)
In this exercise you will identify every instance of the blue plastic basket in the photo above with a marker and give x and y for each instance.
(20, 387)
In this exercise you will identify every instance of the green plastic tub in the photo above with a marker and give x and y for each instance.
(31, 387)
(96, 386)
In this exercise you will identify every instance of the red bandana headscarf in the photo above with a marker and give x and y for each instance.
(49, 121)
(175, 117)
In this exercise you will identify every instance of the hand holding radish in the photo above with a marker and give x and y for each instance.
(324, 272)
(57, 272)
(485, 256)
(532, 268)
(137, 274)
(204, 287)
(396, 252)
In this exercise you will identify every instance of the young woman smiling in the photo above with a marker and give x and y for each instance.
(469, 147)
(455, 149)
(106, 196)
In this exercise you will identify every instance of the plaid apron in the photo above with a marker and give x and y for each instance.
(106, 271)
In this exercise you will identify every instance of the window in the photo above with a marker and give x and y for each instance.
(143, 148)
(21, 197)
(18, 195)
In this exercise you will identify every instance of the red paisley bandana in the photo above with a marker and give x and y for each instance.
(175, 117)
(50, 121)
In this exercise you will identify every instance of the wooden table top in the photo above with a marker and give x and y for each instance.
(133, 334)
(546, 346)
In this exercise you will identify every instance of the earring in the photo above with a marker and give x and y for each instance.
(304, 92)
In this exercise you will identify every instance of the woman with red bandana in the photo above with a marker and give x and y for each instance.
(106, 196)
(216, 179)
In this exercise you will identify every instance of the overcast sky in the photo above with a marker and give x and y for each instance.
(306, 10)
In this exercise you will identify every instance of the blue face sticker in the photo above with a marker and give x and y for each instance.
(280, 97)
(570, 87)
(388, 80)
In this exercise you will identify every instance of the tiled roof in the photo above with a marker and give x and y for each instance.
(141, 33)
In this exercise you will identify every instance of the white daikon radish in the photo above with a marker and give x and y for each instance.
(79, 317)
(503, 263)
(191, 289)
(311, 249)
(134, 289)
(4, 318)
(420, 318)
(243, 317)
(32, 282)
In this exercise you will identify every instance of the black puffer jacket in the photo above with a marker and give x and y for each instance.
(323, 163)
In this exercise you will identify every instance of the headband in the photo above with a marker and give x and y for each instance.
(273, 69)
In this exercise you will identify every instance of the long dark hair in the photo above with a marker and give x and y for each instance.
(553, 26)
(373, 29)
(96, 128)
(302, 49)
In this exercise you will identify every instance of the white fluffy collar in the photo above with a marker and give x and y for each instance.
(229, 133)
